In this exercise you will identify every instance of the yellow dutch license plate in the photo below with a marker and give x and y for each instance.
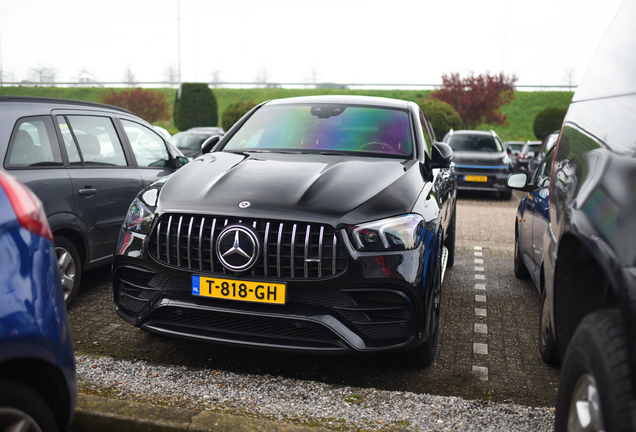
(474, 178)
(260, 292)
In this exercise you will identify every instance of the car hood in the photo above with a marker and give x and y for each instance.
(317, 188)
(479, 158)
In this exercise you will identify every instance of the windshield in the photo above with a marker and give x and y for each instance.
(325, 128)
(189, 140)
(478, 143)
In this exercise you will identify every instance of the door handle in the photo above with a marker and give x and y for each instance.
(87, 191)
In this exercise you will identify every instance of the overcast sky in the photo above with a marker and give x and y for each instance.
(542, 42)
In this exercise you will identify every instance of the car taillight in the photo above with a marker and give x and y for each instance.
(27, 207)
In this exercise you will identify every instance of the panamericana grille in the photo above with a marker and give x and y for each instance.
(289, 249)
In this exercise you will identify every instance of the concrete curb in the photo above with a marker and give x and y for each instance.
(99, 414)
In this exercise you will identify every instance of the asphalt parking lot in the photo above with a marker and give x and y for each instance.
(488, 336)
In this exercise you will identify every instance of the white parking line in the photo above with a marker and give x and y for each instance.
(481, 372)
(481, 328)
(480, 348)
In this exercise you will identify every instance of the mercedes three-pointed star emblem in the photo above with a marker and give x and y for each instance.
(237, 247)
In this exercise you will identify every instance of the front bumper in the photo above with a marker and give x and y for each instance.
(376, 303)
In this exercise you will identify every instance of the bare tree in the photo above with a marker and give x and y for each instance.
(262, 77)
(569, 77)
(171, 74)
(216, 77)
(43, 75)
(129, 77)
(312, 76)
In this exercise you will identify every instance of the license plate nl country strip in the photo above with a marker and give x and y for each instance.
(242, 290)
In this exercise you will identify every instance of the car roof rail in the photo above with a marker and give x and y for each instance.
(11, 98)
(493, 133)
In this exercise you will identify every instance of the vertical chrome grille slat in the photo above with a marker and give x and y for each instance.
(322, 232)
(282, 250)
(292, 255)
(212, 228)
(190, 241)
(333, 255)
(278, 248)
(306, 260)
(179, 241)
(265, 248)
(201, 244)
(159, 240)
(168, 239)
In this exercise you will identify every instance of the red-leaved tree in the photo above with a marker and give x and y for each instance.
(477, 98)
(148, 104)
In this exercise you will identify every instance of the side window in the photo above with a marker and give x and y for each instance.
(427, 136)
(96, 139)
(148, 147)
(33, 143)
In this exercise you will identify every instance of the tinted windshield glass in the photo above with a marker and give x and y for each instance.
(189, 140)
(480, 143)
(326, 128)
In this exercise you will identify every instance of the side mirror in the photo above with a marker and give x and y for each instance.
(519, 181)
(181, 161)
(209, 144)
(441, 155)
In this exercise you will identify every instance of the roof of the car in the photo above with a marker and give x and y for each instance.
(341, 99)
(61, 102)
(472, 132)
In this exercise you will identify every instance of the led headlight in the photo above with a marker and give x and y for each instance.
(396, 233)
(139, 217)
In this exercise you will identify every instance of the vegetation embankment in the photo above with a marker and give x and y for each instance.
(521, 111)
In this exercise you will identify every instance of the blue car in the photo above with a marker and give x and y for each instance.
(531, 225)
(38, 385)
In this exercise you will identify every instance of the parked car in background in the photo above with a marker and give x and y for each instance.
(590, 244)
(531, 224)
(322, 224)
(526, 155)
(163, 132)
(515, 148)
(38, 386)
(86, 162)
(189, 142)
(481, 162)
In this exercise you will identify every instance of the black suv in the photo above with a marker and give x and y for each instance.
(589, 316)
(86, 162)
(317, 224)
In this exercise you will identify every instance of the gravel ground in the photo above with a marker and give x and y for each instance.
(299, 401)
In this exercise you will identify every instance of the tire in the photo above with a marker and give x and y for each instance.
(450, 240)
(547, 342)
(424, 355)
(70, 268)
(595, 377)
(506, 195)
(521, 271)
(22, 408)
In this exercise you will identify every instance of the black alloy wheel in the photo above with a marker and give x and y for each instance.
(547, 343)
(424, 355)
(595, 386)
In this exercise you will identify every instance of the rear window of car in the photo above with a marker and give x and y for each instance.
(325, 128)
(478, 143)
(189, 141)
